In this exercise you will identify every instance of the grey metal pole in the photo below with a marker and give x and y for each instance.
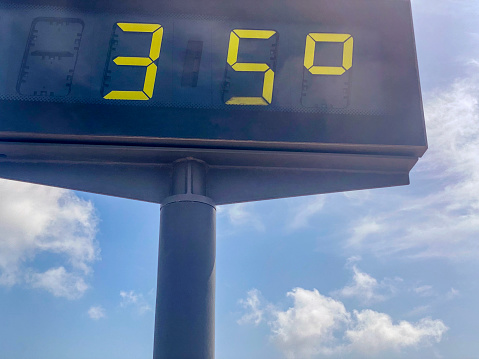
(185, 298)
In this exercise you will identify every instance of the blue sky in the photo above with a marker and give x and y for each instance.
(366, 274)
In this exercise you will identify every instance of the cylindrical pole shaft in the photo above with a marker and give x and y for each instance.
(185, 300)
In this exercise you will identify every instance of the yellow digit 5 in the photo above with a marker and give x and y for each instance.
(147, 92)
(311, 40)
(255, 67)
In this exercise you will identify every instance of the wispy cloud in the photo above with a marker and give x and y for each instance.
(359, 197)
(135, 300)
(366, 288)
(419, 310)
(424, 291)
(96, 312)
(453, 293)
(447, 7)
(363, 228)
(438, 215)
(38, 219)
(306, 212)
(363, 287)
(435, 299)
(242, 214)
(59, 282)
(252, 306)
(317, 326)
(352, 260)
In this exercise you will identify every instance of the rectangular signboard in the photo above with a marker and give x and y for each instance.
(345, 75)
(310, 76)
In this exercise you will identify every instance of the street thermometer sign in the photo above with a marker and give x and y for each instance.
(194, 103)
(281, 97)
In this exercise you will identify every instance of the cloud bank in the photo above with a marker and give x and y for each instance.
(317, 326)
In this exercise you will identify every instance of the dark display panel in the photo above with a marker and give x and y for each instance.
(347, 78)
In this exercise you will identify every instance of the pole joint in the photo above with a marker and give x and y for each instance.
(189, 182)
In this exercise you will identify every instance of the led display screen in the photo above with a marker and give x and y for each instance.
(345, 73)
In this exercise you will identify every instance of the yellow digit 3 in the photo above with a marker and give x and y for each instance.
(311, 41)
(147, 92)
(232, 60)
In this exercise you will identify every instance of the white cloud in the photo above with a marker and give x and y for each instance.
(96, 312)
(252, 305)
(135, 300)
(128, 298)
(38, 219)
(307, 329)
(375, 332)
(318, 326)
(363, 287)
(241, 214)
(438, 214)
(59, 282)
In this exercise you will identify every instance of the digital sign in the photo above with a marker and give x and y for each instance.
(167, 61)
(213, 77)
(307, 76)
